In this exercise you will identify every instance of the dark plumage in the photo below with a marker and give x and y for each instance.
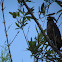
(53, 32)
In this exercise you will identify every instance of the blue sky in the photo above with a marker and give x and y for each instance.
(18, 47)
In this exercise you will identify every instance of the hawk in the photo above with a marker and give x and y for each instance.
(53, 32)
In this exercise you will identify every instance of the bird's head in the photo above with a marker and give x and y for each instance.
(51, 18)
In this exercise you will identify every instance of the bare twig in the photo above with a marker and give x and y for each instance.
(60, 24)
(28, 31)
(47, 38)
(9, 27)
(6, 31)
(14, 37)
(59, 16)
(25, 36)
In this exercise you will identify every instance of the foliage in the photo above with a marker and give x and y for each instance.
(36, 46)
(4, 55)
(39, 48)
(24, 18)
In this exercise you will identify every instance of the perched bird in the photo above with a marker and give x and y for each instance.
(53, 32)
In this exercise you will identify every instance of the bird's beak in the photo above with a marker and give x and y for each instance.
(47, 18)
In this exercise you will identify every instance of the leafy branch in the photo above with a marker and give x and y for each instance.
(47, 38)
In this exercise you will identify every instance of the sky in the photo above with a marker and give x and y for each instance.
(18, 47)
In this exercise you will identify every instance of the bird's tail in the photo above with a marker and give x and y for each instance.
(61, 43)
(59, 46)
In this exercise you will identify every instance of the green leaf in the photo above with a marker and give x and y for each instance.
(25, 24)
(28, 18)
(32, 9)
(31, 17)
(17, 25)
(28, 1)
(17, 14)
(20, 11)
(42, 7)
(27, 13)
(23, 10)
(24, 18)
(13, 14)
(46, 0)
(31, 38)
(18, 1)
(36, 29)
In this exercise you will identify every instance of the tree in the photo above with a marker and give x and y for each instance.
(41, 48)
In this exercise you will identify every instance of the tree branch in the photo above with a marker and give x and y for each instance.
(47, 38)
(6, 31)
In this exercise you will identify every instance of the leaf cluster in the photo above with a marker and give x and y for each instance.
(41, 49)
(4, 57)
(24, 17)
